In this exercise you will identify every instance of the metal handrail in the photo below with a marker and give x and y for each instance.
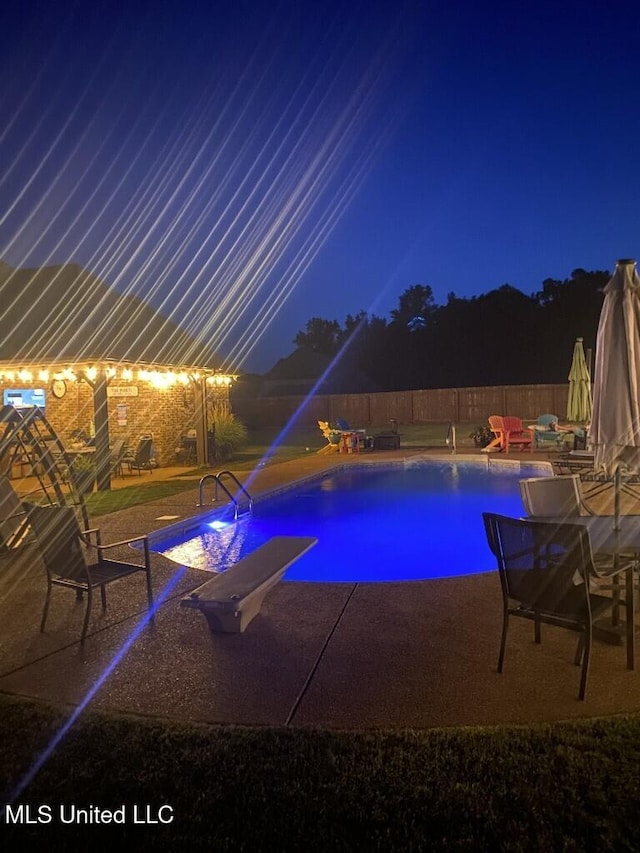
(217, 479)
(214, 477)
(239, 485)
(451, 436)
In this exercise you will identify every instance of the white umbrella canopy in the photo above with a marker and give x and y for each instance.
(579, 404)
(615, 423)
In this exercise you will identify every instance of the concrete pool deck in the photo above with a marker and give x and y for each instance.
(350, 656)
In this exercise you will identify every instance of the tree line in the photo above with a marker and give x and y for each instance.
(502, 337)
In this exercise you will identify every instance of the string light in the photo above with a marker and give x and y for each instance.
(157, 377)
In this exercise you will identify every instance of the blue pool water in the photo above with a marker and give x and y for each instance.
(392, 523)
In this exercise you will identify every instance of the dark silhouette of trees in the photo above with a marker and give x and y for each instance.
(320, 336)
(501, 337)
(416, 303)
(571, 309)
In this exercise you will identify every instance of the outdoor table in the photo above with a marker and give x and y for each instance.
(628, 483)
(607, 541)
(79, 451)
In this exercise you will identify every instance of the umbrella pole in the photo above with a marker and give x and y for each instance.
(615, 614)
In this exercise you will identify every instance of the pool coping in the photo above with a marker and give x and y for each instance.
(184, 525)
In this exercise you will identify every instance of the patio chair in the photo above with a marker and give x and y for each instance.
(560, 497)
(118, 452)
(508, 431)
(64, 549)
(557, 496)
(333, 437)
(542, 431)
(547, 430)
(14, 525)
(141, 458)
(545, 569)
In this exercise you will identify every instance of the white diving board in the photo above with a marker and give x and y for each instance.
(231, 599)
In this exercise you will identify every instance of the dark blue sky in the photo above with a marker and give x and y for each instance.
(248, 166)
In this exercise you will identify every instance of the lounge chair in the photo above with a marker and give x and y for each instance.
(508, 431)
(575, 461)
(64, 549)
(545, 569)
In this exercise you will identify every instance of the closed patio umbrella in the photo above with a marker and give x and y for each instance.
(614, 433)
(615, 421)
(579, 400)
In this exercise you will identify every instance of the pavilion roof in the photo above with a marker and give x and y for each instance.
(66, 313)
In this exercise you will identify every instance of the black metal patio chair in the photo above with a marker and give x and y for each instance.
(14, 525)
(545, 569)
(65, 552)
(141, 458)
(117, 455)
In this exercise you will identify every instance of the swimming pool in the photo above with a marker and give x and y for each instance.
(374, 522)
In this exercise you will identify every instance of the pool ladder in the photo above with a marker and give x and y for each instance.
(451, 436)
(217, 479)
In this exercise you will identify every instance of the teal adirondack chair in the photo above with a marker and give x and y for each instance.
(543, 433)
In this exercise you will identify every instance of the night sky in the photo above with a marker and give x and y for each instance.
(248, 166)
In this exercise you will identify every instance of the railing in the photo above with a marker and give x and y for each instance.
(217, 479)
(451, 437)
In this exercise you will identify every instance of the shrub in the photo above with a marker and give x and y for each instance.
(226, 437)
(481, 436)
(83, 474)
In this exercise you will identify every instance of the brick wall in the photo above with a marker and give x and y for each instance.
(165, 413)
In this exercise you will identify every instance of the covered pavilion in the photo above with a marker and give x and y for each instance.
(104, 363)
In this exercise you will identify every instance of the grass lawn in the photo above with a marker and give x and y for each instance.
(101, 503)
(412, 435)
(558, 787)
(262, 449)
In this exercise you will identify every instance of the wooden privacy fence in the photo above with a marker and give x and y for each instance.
(460, 405)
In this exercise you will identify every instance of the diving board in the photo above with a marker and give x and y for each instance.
(233, 598)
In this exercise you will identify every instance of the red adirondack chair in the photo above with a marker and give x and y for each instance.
(509, 431)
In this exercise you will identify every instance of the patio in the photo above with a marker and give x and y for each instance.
(341, 656)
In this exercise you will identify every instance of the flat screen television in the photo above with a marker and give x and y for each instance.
(24, 398)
